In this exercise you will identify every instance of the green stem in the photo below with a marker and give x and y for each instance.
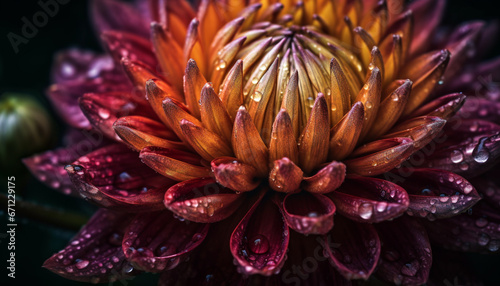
(44, 214)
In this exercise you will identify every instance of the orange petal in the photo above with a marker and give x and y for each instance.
(209, 145)
(390, 110)
(420, 129)
(231, 91)
(139, 132)
(224, 59)
(425, 72)
(174, 164)
(285, 176)
(291, 102)
(234, 174)
(340, 96)
(169, 55)
(369, 95)
(247, 144)
(313, 142)
(213, 114)
(193, 83)
(326, 180)
(259, 99)
(283, 143)
(380, 156)
(156, 92)
(345, 135)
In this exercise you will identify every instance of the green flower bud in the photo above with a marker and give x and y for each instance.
(25, 128)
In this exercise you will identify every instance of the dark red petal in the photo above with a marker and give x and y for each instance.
(436, 193)
(380, 156)
(308, 213)
(480, 108)
(102, 110)
(95, 254)
(234, 174)
(76, 65)
(353, 248)
(406, 255)
(444, 106)
(426, 16)
(174, 164)
(157, 241)
(118, 15)
(48, 167)
(326, 180)
(469, 148)
(488, 185)
(260, 241)
(476, 231)
(462, 45)
(202, 200)
(369, 200)
(114, 177)
(285, 176)
(133, 47)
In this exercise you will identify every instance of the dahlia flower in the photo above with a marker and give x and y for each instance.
(275, 142)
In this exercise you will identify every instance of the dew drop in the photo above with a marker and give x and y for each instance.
(255, 80)
(481, 156)
(80, 264)
(259, 244)
(483, 239)
(395, 97)
(457, 156)
(312, 214)
(481, 222)
(365, 211)
(310, 102)
(104, 113)
(410, 269)
(368, 104)
(256, 96)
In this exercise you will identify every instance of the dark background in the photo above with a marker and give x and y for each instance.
(28, 72)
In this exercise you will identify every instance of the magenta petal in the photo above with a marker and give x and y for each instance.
(65, 96)
(133, 47)
(260, 241)
(308, 213)
(469, 148)
(114, 177)
(462, 44)
(95, 254)
(48, 167)
(202, 200)
(444, 106)
(118, 15)
(102, 110)
(157, 241)
(406, 255)
(437, 193)
(426, 15)
(76, 65)
(480, 108)
(488, 185)
(475, 231)
(354, 249)
(370, 200)
(326, 180)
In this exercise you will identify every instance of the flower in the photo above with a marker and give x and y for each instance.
(239, 127)
(23, 121)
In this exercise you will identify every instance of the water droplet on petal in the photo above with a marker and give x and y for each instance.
(457, 156)
(80, 264)
(481, 222)
(259, 244)
(410, 269)
(365, 211)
